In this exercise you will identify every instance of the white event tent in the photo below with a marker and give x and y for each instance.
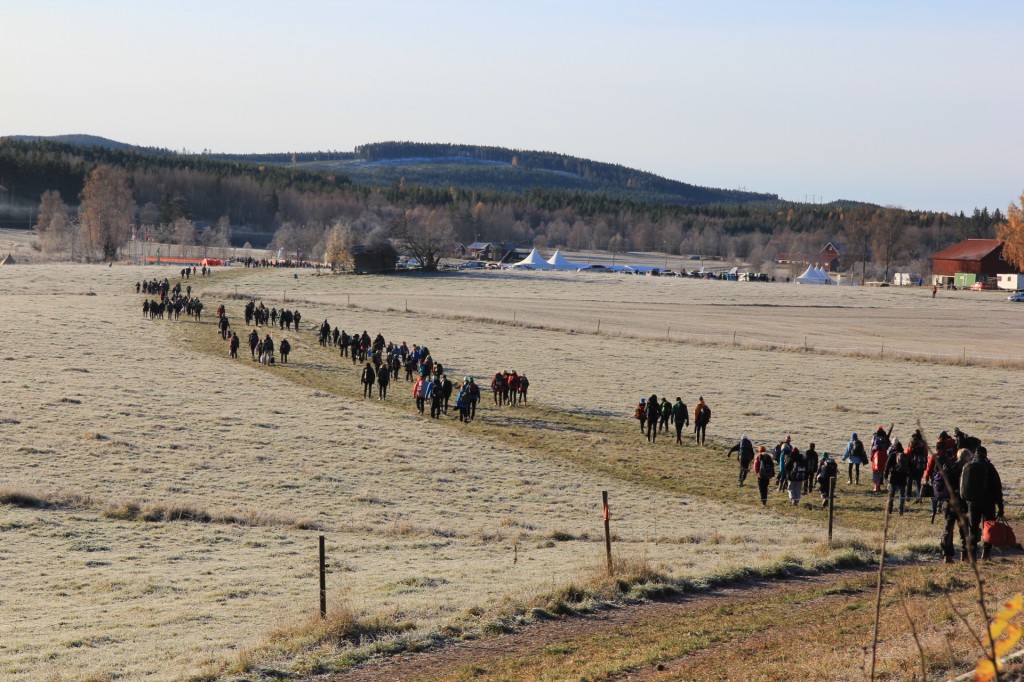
(534, 261)
(814, 275)
(559, 262)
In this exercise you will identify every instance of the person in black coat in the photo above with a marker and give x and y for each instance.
(254, 340)
(811, 455)
(383, 380)
(744, 454)
(982, 491)
(368, 378)
(286, 348)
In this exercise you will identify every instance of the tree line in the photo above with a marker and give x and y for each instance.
(297, 210)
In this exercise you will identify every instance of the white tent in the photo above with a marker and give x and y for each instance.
(533, 261)
(813, 276)
(559, 262)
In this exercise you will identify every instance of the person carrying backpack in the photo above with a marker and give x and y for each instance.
(812, 467)
(653, 412)
(796, 472)
(419, 392)
(982, 490)
(701, 417)
(744, 454)
(947, 479)
(898, 470)
(681, 418)
(856, 456)
(764, 468)
(918, 463)
(880, 445)
(782, 452)
(640, 413)
(368, 378)
(827, 470)
(666, 414)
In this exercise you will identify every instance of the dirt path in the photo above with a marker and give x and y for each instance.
(434, 664)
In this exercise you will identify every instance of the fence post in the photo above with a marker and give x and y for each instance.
(831, 506)
(881, 353)
(323, 579)
(607, 530)
(668, 334)
(599, 326)
(734, 339)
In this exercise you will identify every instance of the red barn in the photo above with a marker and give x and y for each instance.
(978, 256)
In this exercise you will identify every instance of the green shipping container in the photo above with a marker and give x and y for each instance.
(963, 280)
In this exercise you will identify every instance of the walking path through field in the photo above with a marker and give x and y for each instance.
(809, 627)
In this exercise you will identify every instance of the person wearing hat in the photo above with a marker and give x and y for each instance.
(764, 468)
(744, 455)
(982, 491)
(640, 413)
(898, 470)
(827, 470)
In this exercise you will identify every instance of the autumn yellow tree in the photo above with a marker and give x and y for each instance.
(1012, 232)
(107, 210)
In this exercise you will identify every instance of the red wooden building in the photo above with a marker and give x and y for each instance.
(978, 256)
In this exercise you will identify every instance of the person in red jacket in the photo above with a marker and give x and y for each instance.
(879, 458)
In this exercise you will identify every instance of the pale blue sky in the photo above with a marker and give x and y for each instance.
(917, 104)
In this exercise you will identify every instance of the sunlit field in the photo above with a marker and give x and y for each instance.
(163, 502)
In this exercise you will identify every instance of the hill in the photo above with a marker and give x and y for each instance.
(502, 170)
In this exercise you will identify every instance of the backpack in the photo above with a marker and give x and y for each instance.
(765, 466)
(706, 413)
(858, 452)
(639, 412)
(974, 481)
(903, 463)
(945, 466)
(828, 470)
(799, 472)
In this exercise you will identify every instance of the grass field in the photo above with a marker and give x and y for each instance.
(433, 529)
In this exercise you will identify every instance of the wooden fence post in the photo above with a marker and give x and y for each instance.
(323, 579)
(831, 506)
(607, 530)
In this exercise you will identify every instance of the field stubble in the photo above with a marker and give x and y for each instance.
(104, 410)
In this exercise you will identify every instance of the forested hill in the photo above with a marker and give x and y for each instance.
(500, 170)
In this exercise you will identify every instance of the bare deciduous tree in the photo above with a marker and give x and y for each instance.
(184, 233)
(425, 233)
(107, 210)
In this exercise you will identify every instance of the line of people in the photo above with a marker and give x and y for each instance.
(655, 417)
(957, 475)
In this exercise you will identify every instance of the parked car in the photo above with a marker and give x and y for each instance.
(1016, 297)
(982, 286)
(473, 265)
(596, 267)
